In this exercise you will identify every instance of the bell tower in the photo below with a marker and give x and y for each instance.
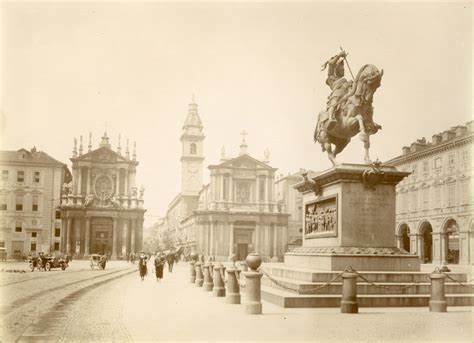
(192, 155)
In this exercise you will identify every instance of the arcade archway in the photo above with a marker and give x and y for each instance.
(451, 247)
(426, 244)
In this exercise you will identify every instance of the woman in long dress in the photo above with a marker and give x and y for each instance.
(159, 264)
(142, 265)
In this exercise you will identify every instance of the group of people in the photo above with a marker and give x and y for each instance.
(159, 260)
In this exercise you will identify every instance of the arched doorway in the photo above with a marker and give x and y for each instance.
(426, 253)
(404, 237)
(451, 235)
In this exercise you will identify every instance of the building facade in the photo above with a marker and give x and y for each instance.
(29, 197)
(102, 209)
(434, 203)
(290, 200)
(237, 212)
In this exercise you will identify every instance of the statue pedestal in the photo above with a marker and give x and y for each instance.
(350, 220)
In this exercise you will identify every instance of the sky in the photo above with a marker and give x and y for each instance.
(131, 69)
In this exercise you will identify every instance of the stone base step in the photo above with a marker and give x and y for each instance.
(303, 287)
(291, 300)
(312, 275)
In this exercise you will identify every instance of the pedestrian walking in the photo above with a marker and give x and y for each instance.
(159, 265)
(170, 260)
(142, 261)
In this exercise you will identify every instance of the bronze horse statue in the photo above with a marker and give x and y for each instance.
(349, 109)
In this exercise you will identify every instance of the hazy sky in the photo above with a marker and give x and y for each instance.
(129, 68)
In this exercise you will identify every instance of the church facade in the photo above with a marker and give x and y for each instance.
(235, 214)
(102, 209)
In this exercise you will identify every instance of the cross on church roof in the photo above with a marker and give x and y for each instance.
(243, 133)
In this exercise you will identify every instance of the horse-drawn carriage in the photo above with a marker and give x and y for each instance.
(98, 261)
(48, 262)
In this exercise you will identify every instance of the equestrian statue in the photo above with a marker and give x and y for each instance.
(349, 108)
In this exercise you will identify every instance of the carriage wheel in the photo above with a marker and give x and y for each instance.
(63, 266)
(32, 267)
(47, 266)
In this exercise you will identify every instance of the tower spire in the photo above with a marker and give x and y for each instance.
(74, 149)
(89, 147)
(127, 152)
(134, 151)
(119, 148)
(80, 145)
(243, 145)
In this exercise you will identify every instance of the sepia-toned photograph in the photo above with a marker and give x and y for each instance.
(227, 171)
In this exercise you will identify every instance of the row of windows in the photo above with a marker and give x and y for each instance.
(419, 199)
(18, 203)
(437, 163)
(20, 176)
(34, 234)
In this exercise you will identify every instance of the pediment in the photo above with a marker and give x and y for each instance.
(245, 162)
(103, 154)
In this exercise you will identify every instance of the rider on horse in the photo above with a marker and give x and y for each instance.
(338, 84)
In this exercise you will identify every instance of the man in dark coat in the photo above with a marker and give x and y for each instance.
(159, 264)
(170, 259)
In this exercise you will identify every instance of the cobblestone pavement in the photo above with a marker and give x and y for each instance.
(28, 298)
(128, 309)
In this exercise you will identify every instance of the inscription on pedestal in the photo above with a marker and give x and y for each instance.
(321, 218)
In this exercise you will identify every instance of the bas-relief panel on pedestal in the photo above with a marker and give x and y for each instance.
(321, 218)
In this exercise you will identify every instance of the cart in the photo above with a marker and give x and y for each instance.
(98, 261)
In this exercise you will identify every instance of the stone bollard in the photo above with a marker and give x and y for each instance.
(349, 293)
(438, 301)
(219, 289)
(252, 303)
(193, 272)
(232, 286)
(208, 284)
(199, 276)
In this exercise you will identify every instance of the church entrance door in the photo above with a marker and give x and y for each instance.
(242, 251)
(101, 235)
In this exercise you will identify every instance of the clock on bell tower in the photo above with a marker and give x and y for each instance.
(192, 158)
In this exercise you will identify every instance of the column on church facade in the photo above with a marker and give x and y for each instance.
(275, 240)
(89, 181)
(63, 234)
(77, 235)
(69, 235)
(211, 238)
(126, 185)
(82, 238)
(114, 238)
(267, 241)
(124, 235)
(231, 189)
(79, 181)
(117, 182)
(257, 189)
(284, 237)
(140, 234)
(74, 181)
(231, 238)
(88, 236)
(257, 237)
(133, 237)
